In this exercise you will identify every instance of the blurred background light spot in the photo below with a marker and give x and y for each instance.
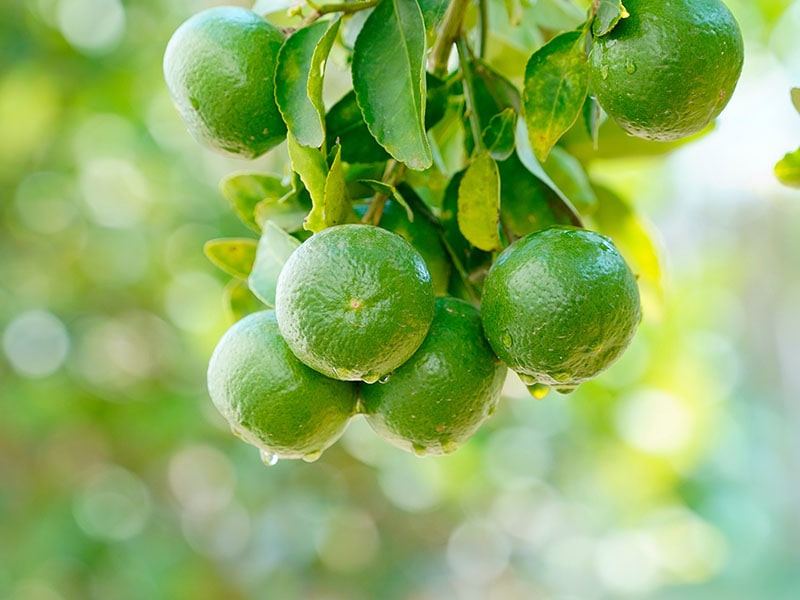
(349, 541)
(218, 533)
(115, 191)
(688, 549)
(113, 504)
(535, 515)
(44, 202)
(477, 552)
(92, 26)
(626, 564)
(202, 479)
(655, 421)
(516, 457)
(192, 301)
(32, 589)
(105, 135)
(115, 257)
(363, 444)
(36, 343)
(409, 483)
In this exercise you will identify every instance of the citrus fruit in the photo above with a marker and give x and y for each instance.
(437, 399)
(271, 399)
(559, 306)
(354, 302)
(421, 234)
(669, 69)
(219, 67)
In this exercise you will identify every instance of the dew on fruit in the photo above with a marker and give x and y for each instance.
(630, 67)
(419, 449)
(527, 379)
(604, 72)
(539, 390)
(385, 378)
(565, 389)
(507, 340)
(371, 378)
(449, 446)
(268, 458)
(312, 456)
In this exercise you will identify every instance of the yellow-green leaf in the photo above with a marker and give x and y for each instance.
(239, 300)
(274, 249)
(556, 83)
(245, 190)
(609, 14)
(235, 256)
(479, 203)
(788, 169)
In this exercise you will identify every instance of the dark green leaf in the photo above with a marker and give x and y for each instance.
(389, 80)
(298, 80)
(433, 12)
(570, 177)
(346, 126)
(274, 249)
(245, 190)
(240, 301)
(609, 13)
(498, 136)
(479, 203)
(796, 98)
(235, 256)
(788, 169)
(556, 83)
(592, 119)
(526, 203)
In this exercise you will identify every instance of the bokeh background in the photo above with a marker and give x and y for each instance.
(675, 475)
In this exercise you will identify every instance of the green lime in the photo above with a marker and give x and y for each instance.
(354, 302)
(423, 235)
(560, 305)
(669, 69)
(219, 67)
(437, 399)
(271, 399)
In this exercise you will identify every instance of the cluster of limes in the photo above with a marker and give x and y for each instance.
(361, 326)
(357, 328)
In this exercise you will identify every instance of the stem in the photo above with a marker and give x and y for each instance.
(484, 30)
(450, 32)
(342, 7)
(394, 172)
(469, 94)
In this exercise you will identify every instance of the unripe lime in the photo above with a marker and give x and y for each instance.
(219, 67)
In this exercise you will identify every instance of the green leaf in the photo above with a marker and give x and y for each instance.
(527, 204)
(592, 119)
(526, 157)
(235, 256)
(795, 93)
(479, 203)
(631, 234)
(345, 124)
(239, 300)
(570, 177)
(274, 249)
(245, 190)
(556, 83)
(498, 136)
(609, 13)
(336, 208)
(389, 80)
(310, 165)
(788, 169)
(390, 191)
(433, 12)
(298, 80)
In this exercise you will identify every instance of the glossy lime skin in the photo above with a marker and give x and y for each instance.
(271, 399)
(669, 69)
(560, 305)
(439, 398)
(219, 67)
(354, 302)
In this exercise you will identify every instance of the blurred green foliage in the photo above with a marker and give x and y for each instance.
(673, 476)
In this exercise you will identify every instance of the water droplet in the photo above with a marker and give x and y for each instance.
(360, 408)
(450, 446)
(419, 449)
(370, 378)
(507, 340)
(385, 378)
(565, 389)
(268, 458)
(312, 456)
(539, 390)
(527, 379)
(630, 67)
(492, 410)
(604, 72)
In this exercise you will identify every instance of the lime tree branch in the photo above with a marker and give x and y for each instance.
(341, 7)
(449, 33)
(394, 172)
